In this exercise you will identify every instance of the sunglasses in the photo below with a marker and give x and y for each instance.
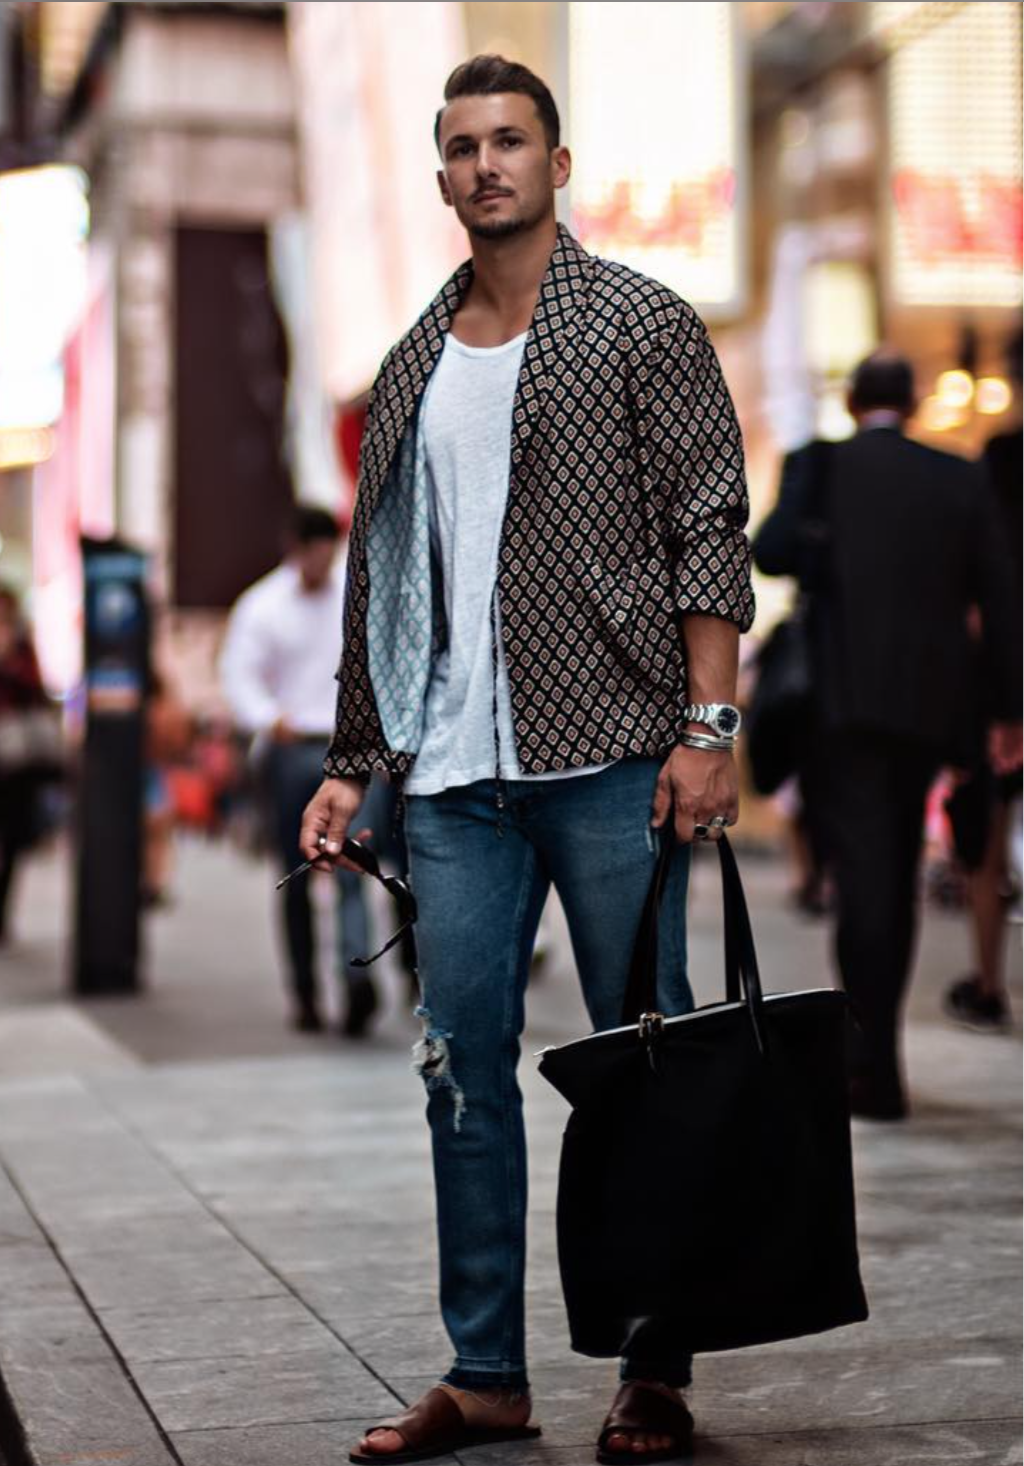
(366, 860)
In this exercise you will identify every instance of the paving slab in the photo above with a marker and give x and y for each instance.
(321, 1383)
(57, 1039)
(226, 1328)
(323, 1443)
(984, 1443)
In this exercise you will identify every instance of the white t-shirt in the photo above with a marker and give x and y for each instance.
(466, 439)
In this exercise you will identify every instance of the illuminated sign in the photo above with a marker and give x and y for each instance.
(955, 158)
(655, 128)
(44, 223)
(369, 80)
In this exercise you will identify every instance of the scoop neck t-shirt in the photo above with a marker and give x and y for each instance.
(465, 439)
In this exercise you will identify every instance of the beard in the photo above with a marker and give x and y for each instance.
(506, 228)
(498, 229)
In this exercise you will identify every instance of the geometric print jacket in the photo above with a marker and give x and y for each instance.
(626, 511)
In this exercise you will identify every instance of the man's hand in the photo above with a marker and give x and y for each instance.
(693, 788)
(281, 731)
(329, 814)
(1004, 747)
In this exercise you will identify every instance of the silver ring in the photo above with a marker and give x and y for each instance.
(700, 832)
(719, 822)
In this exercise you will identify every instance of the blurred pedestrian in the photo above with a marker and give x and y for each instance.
(29, 745)
(904, 541)
(980, 805)
(169, 732)
(278, 664)
(548, 576)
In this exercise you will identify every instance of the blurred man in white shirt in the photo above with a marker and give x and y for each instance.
(280, 655)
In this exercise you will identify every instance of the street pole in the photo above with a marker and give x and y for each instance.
(110, 782)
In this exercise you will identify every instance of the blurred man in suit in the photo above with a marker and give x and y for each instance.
(982, 802)
(903, 555)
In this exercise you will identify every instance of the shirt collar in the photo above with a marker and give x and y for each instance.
(880, 417)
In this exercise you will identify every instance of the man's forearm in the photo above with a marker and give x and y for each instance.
(712, 658)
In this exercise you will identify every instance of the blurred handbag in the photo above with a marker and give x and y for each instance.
(781, 708)
(705, 1195)
(31, 739)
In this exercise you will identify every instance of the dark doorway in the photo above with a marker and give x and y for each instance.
(232, 488)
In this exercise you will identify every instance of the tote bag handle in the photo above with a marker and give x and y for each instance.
(742, 979)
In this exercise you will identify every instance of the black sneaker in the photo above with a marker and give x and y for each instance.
(974, 1009)
(362, 1004)
(308, 1020)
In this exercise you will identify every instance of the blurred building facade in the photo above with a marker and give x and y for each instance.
(816, 177)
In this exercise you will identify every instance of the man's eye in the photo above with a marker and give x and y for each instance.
(511, 142)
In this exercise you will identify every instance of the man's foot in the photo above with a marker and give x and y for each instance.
(308, 1020)
(983, 1012)
(362, 1004)
(428, 1428)
(648, 1421)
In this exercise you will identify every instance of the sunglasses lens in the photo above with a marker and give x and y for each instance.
(362, 856)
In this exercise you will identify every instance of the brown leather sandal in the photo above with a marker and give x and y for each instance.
(639, 1410)
(435, 1426)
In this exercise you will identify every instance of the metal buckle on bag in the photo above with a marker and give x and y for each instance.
(650, 1026)
(650, 1029)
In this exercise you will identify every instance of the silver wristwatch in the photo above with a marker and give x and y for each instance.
(721, 717)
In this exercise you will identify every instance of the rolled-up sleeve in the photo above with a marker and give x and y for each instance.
(696, 453)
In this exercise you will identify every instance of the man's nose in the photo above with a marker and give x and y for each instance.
(486, 163)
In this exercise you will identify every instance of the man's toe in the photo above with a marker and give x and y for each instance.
(381, 1442)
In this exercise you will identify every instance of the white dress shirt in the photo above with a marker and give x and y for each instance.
(281, 652)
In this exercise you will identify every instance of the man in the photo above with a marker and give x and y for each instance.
(547, 564)
(982, 802)
(277, 666)
(902, 542)
(21, 773)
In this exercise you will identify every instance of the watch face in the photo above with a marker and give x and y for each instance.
(728, 720)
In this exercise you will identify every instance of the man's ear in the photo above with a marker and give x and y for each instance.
(442, 184)
(561, 166)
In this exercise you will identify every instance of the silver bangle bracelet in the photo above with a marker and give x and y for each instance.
(707, 743)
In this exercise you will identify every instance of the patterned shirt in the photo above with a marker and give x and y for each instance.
(626, 511)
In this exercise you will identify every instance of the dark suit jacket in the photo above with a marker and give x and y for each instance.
(911, 542)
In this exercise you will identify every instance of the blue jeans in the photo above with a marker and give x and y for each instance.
(481, 880)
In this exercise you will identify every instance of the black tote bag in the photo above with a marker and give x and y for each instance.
(705, 1196)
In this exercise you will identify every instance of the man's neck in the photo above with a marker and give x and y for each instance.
(879, 417)
(507, 273)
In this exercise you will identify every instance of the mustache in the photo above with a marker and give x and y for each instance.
(489, 189)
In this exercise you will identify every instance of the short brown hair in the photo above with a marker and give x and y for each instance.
(484, 76)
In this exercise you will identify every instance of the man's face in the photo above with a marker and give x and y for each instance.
(497, 172)
(314, 561)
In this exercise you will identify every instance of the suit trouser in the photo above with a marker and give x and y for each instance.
(877, 788)
(294, 773)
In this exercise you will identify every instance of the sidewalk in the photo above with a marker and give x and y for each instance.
(216, 1237)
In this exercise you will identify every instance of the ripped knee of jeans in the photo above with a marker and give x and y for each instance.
(432, 1061)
